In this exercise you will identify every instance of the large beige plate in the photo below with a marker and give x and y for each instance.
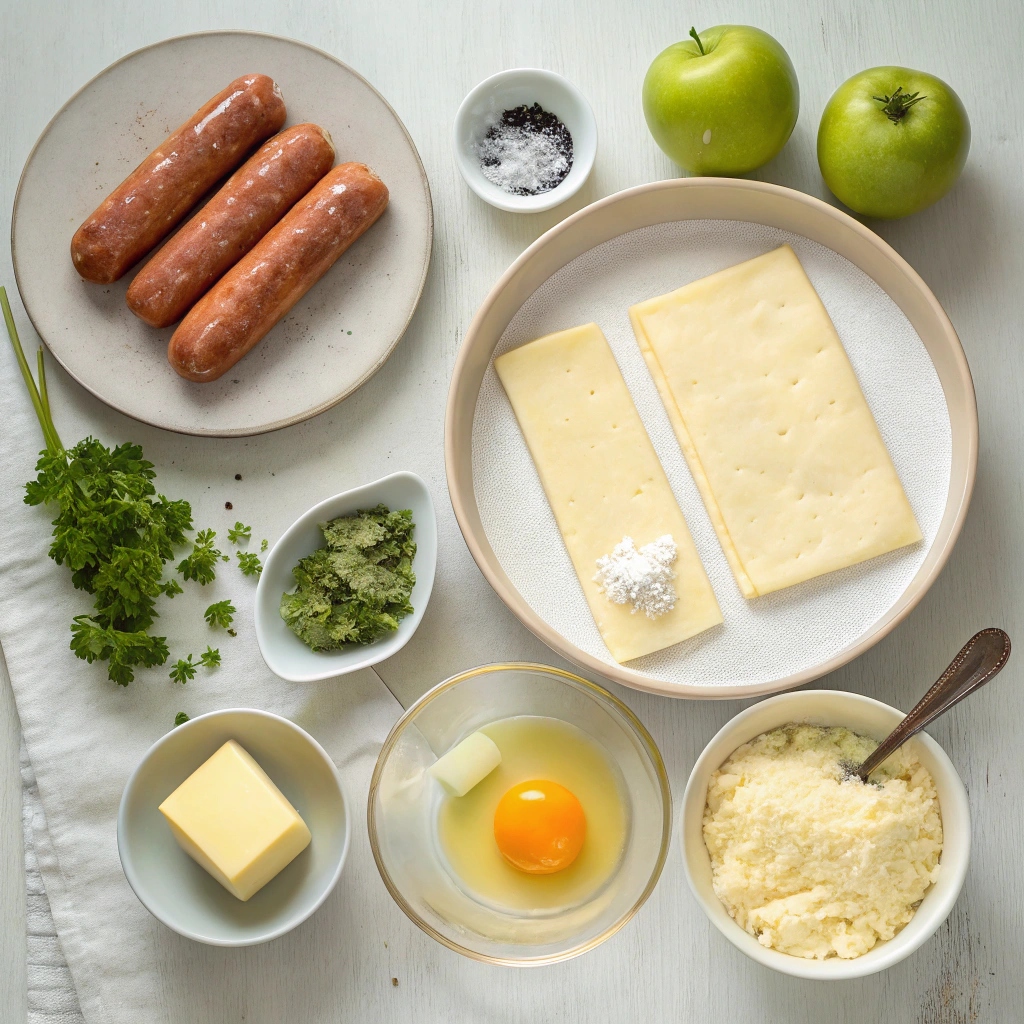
(728, 200)
(333, 341)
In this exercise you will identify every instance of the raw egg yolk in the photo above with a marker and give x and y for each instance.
(539, 827)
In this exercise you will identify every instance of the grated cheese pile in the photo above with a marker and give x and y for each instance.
(812, 865)
(641, 577)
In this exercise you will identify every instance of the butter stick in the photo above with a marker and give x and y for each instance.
(466, 764)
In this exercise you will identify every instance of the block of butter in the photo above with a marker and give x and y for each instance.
(772, 421)
(466, 764)
(603, 481)
(231, 819)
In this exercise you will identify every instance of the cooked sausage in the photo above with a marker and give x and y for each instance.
(252, 201)
(260, 289)
(146, 207)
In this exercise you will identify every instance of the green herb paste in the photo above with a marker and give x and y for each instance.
(356, 589)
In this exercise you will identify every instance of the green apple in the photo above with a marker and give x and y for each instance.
(892, 141)
(723, 102)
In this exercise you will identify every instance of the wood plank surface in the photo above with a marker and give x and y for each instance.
(668, 964)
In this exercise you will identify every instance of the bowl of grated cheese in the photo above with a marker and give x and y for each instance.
(810, 873)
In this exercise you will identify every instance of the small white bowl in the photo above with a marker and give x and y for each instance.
(512, 89)
(285, 654)
(175, 889)
(869, 718)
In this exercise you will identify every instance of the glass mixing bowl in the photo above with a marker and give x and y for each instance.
(404, 800)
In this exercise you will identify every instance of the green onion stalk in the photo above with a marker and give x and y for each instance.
(40, 399)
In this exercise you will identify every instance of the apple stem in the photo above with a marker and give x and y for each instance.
(896, 106)
(700, 45)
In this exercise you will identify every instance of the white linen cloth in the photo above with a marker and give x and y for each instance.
(51, 989)
(84, 736)
(127, 967)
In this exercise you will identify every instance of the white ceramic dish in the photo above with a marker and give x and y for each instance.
(334, 339)
(175, 889)
(668, 209)
(870, 718)
(285, 654)
(512, 89)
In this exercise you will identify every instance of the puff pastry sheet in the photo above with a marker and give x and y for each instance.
(770, 416)
(603, 480)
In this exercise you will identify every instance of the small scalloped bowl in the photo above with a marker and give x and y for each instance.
(869, 718)
(511, 89)
(285, 654)
(175, 889)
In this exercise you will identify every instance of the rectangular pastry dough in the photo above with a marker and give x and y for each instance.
(768, 411)
(603, 480)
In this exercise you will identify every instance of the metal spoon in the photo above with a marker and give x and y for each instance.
(982, 657)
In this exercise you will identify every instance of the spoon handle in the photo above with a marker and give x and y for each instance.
(982, 657)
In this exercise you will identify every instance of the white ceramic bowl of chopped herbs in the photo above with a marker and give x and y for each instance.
(350, 605)
(524, 159)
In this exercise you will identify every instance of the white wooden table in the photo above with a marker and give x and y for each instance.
(424, 57)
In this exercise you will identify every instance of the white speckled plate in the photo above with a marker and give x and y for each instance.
(337, 336)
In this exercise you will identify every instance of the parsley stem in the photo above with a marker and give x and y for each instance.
(40, 401)
(44, 396)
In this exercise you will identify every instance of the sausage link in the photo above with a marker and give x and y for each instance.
(252, 201)
(260, 289)
(146, 207)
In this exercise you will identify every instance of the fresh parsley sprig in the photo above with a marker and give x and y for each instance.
(123, 650)
(239, 532)
(249, 562)
(220, 613)
(201, 564)
(183, 670)
(113, 531)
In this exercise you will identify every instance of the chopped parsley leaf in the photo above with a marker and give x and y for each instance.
(357, 588)
(183, 670)
(200, 565)
(220, 613)
(239, 532)
(249, 563)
